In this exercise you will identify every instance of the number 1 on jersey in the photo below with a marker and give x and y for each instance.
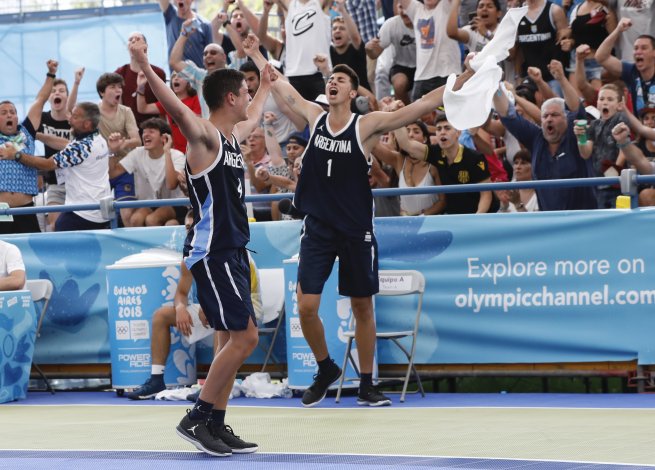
(329, 162)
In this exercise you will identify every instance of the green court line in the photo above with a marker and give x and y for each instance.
(585, 435)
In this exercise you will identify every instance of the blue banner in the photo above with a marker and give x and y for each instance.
(500, 288)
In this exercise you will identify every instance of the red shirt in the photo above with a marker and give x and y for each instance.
(179, 141)
(129, 90)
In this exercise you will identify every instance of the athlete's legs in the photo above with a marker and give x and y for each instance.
(226, 363)
(311, 324)
(364, 332)
(220, 340)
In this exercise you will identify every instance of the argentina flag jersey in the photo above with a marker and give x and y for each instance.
(217, 194)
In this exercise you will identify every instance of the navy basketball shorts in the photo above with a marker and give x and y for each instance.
(223, 287)
(320, 244)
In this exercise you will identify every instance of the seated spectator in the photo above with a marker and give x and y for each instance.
(456, 164)
(414, 172)
(185, 93)
(603, 152)
(174, 17)
(118, 118)
(553, 146)
(187, 318)
(18, 183)
(383, 176)
(520, 200)
(129, 72)
(85, 161)
(638, 77)
(147, 164)
(12, 268)
(397, 32)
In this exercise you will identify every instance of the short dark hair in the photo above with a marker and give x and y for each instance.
(440, 117)
(343, 68)
(496, 4)
(156, 123)
(218, 84)
(523, 155)
(249, 66)
(649, 37)
(60, 81)
(91, 112)
(106, 79)
(8, 102)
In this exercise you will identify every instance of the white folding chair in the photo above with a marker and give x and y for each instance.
(396, 283)
(271, 282)
(41, 290)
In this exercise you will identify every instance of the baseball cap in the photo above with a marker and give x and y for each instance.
(297, 138)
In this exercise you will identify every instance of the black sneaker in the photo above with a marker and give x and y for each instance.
(371, 396)
(238, 445)
(197, 433)
(318, 389)
(148, 390)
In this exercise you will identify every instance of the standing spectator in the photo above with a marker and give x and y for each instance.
(129, 72)
(117, 118)
(147, 164)
(184, 92)
(18, 183)
(437, 56)
(640, 76)
(365, 17)
(397, 32)
(55, 133)
(538, 34)
(553, 147)
(202, 29)
(641, 13)
(12, 268)
(85, 160)
(347, 46)
(308, 34)
(481, 28)
(255, 156)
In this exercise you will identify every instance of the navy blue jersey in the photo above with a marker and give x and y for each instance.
(217, 194)
(333, 185)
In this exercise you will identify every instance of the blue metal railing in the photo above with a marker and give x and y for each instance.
(629, 181)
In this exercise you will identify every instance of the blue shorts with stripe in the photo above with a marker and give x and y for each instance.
(223, 287)
(320, 244)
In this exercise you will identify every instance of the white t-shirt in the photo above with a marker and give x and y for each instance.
(436, 54)
(476, 40)
(150, 173)
(283, 127)
(309, 32)
(87, 173)
(394, 32)
(10, 259)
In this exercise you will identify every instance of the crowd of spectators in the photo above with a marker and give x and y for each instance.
(579, 69)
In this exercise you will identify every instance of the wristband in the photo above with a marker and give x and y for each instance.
(51, 75)
(184, 33)
(624, 145)
(18, 156)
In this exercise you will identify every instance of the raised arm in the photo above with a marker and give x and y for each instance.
(72, 97)
(570, 94)
(588, 92)
(250, 17)
(179, 112)
(604, 52)
(414, 149)
(638, 127)
(256, 106)
(34, 114)
(141, 104)
(176, 59)
(163, 4)
(351, 27)
(308, 110)
(272, 44)
(546, 91)
(633, 154)
(452, 28)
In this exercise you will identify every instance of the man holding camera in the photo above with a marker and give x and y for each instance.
(175, 17)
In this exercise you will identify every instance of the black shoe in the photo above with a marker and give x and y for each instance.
(318, 389)
(197, 433)
(148, 390)
(238, 445)
(371, 396)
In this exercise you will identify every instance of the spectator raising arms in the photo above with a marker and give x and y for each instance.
(18, 183)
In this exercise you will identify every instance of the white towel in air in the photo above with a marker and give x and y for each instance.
(470, 105)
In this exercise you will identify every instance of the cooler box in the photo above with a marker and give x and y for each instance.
(335, 314)
(137, 286)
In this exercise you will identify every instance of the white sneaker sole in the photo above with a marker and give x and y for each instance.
(247, 450)
(198, 445)
(376, 404)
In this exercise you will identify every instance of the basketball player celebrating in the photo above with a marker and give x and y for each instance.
(334, 193)
(214, 250)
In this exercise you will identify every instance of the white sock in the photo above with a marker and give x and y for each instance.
(157, 369)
